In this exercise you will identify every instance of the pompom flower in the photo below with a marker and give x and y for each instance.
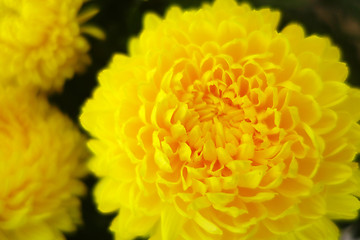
(41, 160)
(41, 43)
(219, 126)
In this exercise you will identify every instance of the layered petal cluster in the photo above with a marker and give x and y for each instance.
(41, 161)
(219, 126)
(41, 43)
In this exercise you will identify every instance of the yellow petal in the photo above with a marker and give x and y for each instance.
(313, 206)
(108, 194)
(184, 152)
(223, 156)
(280, 206)
(171, 223)
(251, 179)
(320, 229)
(332, 94)
(294, 33)
(342, 206)
(162, 161)
(207, 225)
(128, 225)
(279, 47)
(350, 103)
(37, 232)
(257, 43)
(327, 121)
(334, 71)
(220, 198)
(309, 81)
(299, 186)
(87, 14)
(151, 21)
(333, 173)
(93, 31)
(209, 151)
(282, 225)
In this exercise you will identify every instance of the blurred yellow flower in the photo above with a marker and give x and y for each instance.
(41, 42)
(218, 126)
(41, 160)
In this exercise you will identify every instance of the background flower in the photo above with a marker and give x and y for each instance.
(218, 126)
(41, 42)
(42, 158)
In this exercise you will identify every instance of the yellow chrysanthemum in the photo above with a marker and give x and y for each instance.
(41, 160)
(219, 126)
(41, 42)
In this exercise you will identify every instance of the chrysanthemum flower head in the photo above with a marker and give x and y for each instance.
(219, 126)
(41, 42)
(41, 160)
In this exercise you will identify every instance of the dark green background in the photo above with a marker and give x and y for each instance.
(122, 19)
